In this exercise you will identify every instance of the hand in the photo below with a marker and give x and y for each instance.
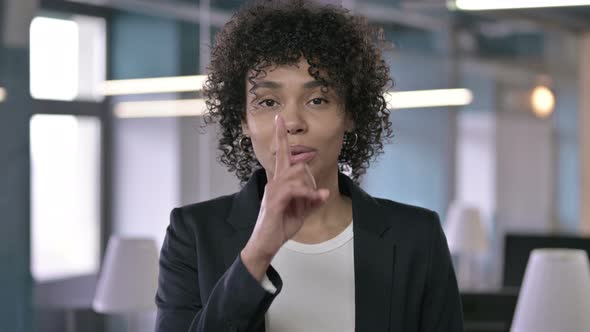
(289, 197)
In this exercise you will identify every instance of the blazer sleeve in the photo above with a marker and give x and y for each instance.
(236, 303)
(441, 307)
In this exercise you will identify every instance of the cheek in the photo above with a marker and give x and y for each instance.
(262, 135)
(331, 132)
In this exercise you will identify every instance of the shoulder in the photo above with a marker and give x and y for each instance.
(405, 210)
(215, 205)
(412, 221)
(417, 229)
(415, 214)
(198, 214)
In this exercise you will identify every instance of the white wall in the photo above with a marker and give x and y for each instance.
(202, 177)
(476, 161)
(162, 163)
(417, 167)
(145, 176)
(159, 164)
(505, 166)
(525, 173)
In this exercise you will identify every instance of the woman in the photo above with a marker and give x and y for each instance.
(297, 89)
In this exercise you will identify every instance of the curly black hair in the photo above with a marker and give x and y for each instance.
(342, 46)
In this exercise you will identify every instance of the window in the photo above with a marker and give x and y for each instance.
(71, 51)
(65, 195)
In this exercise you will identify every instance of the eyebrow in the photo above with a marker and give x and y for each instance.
(277, 85)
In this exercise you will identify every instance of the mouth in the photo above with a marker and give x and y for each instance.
(301, 153)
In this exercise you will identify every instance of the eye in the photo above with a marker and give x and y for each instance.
(318, 101)
(268, 103)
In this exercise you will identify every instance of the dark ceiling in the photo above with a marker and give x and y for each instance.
(566, 18)
(414, 25)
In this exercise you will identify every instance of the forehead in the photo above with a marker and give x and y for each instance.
(300, 67)
(295, 71)
(287, 77)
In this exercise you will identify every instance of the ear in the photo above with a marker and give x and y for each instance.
(348, 123)
(245, 128)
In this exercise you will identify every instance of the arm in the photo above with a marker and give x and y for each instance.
(441, 306)
(236, 303)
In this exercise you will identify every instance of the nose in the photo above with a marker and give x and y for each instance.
(294, 121)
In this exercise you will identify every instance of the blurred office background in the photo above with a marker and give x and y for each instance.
(82, 160)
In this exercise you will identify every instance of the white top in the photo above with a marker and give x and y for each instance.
(318, 286)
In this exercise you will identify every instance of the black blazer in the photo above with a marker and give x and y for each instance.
(404, 279)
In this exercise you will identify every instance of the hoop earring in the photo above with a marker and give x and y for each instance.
(356, 138)
(241, 142)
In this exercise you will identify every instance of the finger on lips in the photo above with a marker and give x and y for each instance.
(301, 171)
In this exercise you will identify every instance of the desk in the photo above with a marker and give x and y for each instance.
(489, 311)
(66, 305)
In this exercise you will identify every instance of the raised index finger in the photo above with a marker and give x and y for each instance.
(283, 155)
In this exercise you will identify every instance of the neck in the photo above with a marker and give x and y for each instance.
(332, 217)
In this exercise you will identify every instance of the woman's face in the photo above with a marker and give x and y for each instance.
(315, 120)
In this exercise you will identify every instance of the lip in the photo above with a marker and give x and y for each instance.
(295, 149)
(301, 153)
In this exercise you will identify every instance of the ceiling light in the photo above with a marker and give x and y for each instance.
(160, 108)
(542, 101)
(513, 4)
(153, 85)
(428, 98)
(2, 94)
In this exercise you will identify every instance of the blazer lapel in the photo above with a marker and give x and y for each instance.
(243, 214)
(374, 260)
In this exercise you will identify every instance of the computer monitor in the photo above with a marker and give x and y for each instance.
(518, 247)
